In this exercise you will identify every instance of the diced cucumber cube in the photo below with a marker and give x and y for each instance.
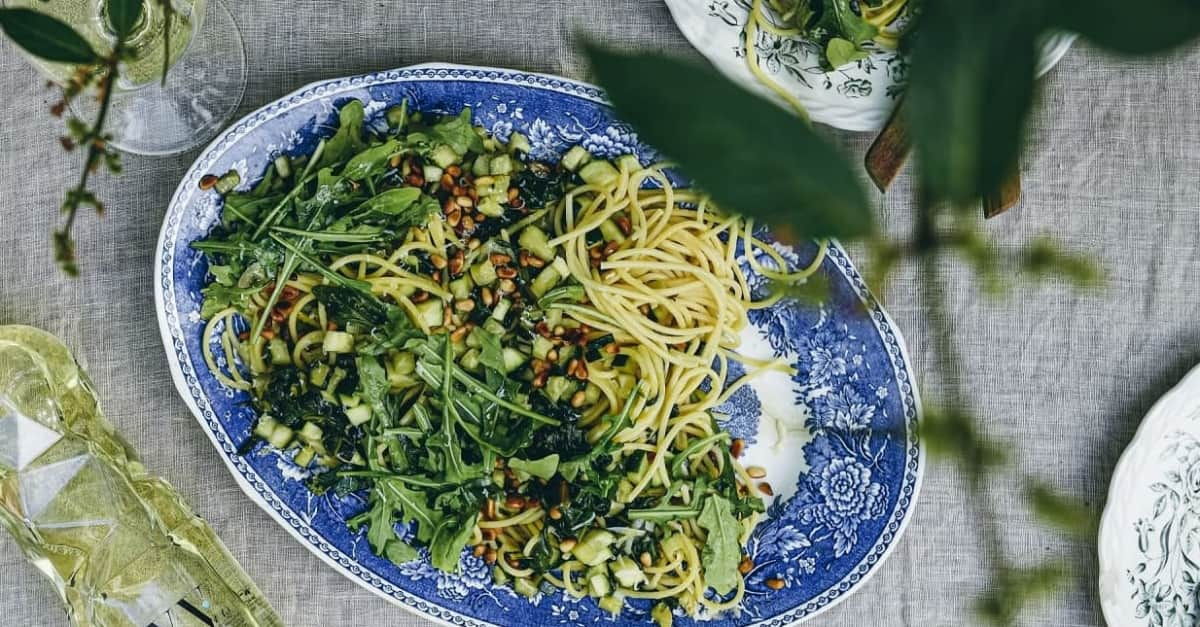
(444, 156)
(338, 342)
(489, 206)
(561, 266)
(281, 436)
(541, 347)
(546, 279)
(593, 548)
(310, 432)
(575, 157)
(359, 414)
(599, 173)
(537, 242)
(629, 163)
(611, 604)
(431, 173)
(627, 572)
(430, 312)
(470, 360)
(557, 388)
(461, 288)
(611, 232)
(318, 374)
(305, 456)
(493, 326)
(518, 142)
(500, 164)
(501, 309)
(480, 167)
(513, 359)
(483, 272)
(265, 427)
(525, 587)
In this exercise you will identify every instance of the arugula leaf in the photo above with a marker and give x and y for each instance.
(449, 541)
(458, 133)
(413, 506)
(400, 552)
(839, 19)
(348, 139)
(803, 186)
(543, 468)
(373, 385)
(396, 202)
(491, 352)
(371, 161)
(722, 552)
(217, 297)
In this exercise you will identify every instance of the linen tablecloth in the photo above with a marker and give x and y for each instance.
(1065, 377)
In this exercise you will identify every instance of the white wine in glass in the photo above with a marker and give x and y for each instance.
(204, 83)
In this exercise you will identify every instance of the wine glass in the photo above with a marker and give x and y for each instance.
(149, 115)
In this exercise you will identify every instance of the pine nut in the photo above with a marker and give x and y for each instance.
(756, 472)
(567, 544)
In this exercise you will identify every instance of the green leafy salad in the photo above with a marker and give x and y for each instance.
(419, 316)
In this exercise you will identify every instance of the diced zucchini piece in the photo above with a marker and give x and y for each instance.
(500, 164)
(403, 362)
(281, 436)
(310, 432)
(611, 604)
(305, 456)
(470, 360)
(489, 206)
(359, 414)
(591, 394)
(545, 280)
(611, 232)
(624, 489)
(629, 163)
(335, 380)
(535, 241)
(575, 157)
(597, 582)
(661, 615)
(599, 173)
(431, 173)
(444, 156)
(265, 427)
(483, 272)
(525, 587)
(480, 167)
(627, 572)
(338, 342)
(553, 317)
(501, 309)
(358, 460)
(513, 359)
(541, 346)
(318, 374)
(493, 326)
(518, 142)
(461, 287)
(593, 548)
(431, 312)
(561, 266)
(557, 388)
(489, 143)
(350, 400)
(566, 352)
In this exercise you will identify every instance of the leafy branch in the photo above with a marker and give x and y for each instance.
(52, 40)
(971, 90)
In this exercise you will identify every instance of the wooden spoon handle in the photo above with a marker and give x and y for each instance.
(889, 152)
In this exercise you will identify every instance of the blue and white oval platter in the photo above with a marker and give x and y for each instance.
(852, 407)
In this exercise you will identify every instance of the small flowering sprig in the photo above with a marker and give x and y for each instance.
(52, 40)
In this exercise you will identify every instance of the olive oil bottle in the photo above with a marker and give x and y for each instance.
(120, 545)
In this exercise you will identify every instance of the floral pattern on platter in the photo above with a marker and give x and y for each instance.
(1165, 580)
(857, 97)
(851, 404)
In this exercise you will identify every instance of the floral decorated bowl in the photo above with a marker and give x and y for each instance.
(851, 408)
(1149, 543)
(856, 97)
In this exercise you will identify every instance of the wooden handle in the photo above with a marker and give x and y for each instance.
(888, 153)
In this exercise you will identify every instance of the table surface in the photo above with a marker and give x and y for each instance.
(1065, 377)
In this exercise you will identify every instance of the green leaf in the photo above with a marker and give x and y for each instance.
(449, 541)
(751, 156)
(46, 37)
(1060, 511)
(123, 16)
(412, 506)
(371, 162)
(722, 552)
(458, 133)
(348, 139)
(491, 352)
(843, 52)
(543, 468)
(400, 552)
(969, 94)
(373, 384)
(1141, 28)
(218, 297)
(395, 202)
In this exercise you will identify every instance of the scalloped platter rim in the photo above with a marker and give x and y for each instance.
(852, 407)
(1149, 570)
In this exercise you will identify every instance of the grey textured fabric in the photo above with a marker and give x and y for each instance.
(1065, 377)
